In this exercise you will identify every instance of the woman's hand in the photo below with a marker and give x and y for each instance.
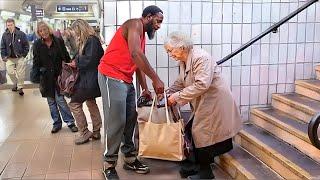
(146, 93)
(171, 101)
(72, 64)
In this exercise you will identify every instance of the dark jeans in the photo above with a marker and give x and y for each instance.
(57, 106)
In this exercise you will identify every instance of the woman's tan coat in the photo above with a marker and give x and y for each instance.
(216, 115)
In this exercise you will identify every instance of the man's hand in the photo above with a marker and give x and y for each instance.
(158, 86)
(171, 101)
(146, 93)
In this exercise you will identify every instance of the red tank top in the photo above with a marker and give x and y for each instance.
(116, 61)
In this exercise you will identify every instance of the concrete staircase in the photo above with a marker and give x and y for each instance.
(274, 144)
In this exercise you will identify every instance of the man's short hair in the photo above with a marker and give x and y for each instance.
(153, 10)
(10, 20)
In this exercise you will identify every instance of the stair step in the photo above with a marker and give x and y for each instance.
(309, 88)
(242, 165)
(296, 105)
(286, 128)
(287, 161)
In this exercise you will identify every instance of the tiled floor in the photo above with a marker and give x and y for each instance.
(29, 151)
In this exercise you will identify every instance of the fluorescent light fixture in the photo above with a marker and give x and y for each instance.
(7, 14)
(23, 17)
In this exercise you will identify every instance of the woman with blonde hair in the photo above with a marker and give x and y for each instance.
(48, 54)
(86, 87)
(215, 116)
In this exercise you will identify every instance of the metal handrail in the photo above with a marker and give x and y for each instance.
(273, 28)
(313, 130)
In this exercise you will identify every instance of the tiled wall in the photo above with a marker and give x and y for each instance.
(269, 66)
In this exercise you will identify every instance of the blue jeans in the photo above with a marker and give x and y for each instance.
(57, 106)
(120, 117)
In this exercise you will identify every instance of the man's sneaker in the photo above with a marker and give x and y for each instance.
(137, 166)
(83, 138)
(21, 93)
(110, 173)
(14, 89)
(96, 135)
(55, 129)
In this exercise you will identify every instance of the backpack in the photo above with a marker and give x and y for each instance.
(67, 80)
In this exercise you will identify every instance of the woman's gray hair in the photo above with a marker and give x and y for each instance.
(178, 39)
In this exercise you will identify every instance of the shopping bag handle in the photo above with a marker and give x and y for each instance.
(165, 105)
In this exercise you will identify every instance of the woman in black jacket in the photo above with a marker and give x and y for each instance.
(49, 52)
(86, 88)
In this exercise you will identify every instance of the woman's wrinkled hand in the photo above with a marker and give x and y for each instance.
(171, 101)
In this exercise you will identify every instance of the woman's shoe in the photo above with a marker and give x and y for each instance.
(84, 138)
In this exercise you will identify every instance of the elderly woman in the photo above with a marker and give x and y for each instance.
(215, 116)
(48, 54)
(86, 88)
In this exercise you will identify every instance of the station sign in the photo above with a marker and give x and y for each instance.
(72, 8)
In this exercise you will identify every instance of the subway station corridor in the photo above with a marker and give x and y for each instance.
(29, 151)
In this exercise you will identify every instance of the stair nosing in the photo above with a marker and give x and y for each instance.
(305, 84)
(274, 154)
(306, 109)
(286, 127)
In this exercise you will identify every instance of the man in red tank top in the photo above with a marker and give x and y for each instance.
(124, 56)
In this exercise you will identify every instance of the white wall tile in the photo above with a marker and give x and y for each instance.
(163, 74)
(256, 13)
(226, 49)
(290, 87)
(247, 13)
(162, 57)
(299, 71)
(206, 15)
(236, 76)
(123, 13)
(300, 53)
(263, 94)
(275, 12)
(310, 32)
(207, 48)
(254, 95)
(284, 10)
(316, 53)
(216, 34)
(284, 33)
(290, 73)
(216, 12)
(307, 72)
(135, 8)
(244, 112)
(256, 30)
(174, 15)
(264, 74)
(273, 74)
(311, 12)
(227, 31)
(110, 15)
(151, 54)
(265, 53)
(173, 75)
(308, 52)
(245, 95)
(186, 28)
(283, 50)
(274, 53)
(226, 74)
(196, 15)
(292, 50)
(317, 32)
(236, 33)
(246, 56)
(266, 11)
(302, 16)
(236, 60)
(109, 33)
(255, 72)
(292, 32)
(163, 5)
(237, 12)
(206, 34)
(255, 57)
(227, 16)
(185, 12)
(292, 7)
(282, 72)
(162, 34)
(281, 88)
(246, 33)
(317, 12)
(266, 38)
(272, 89)
(196, 33)
(245, 75)
(301, 33)
(173, 27)
(216, 52)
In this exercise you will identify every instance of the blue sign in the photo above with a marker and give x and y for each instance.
(72, 8)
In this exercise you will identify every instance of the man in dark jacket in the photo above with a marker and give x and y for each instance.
(14, 48)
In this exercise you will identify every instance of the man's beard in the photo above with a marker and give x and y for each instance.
(150, 31)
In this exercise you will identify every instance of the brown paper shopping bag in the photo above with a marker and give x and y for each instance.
(161, 141)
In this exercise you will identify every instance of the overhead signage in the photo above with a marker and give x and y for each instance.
(39, 12)
(72, 8)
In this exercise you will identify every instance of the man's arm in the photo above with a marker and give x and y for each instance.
(3, 49)
(134, 32)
